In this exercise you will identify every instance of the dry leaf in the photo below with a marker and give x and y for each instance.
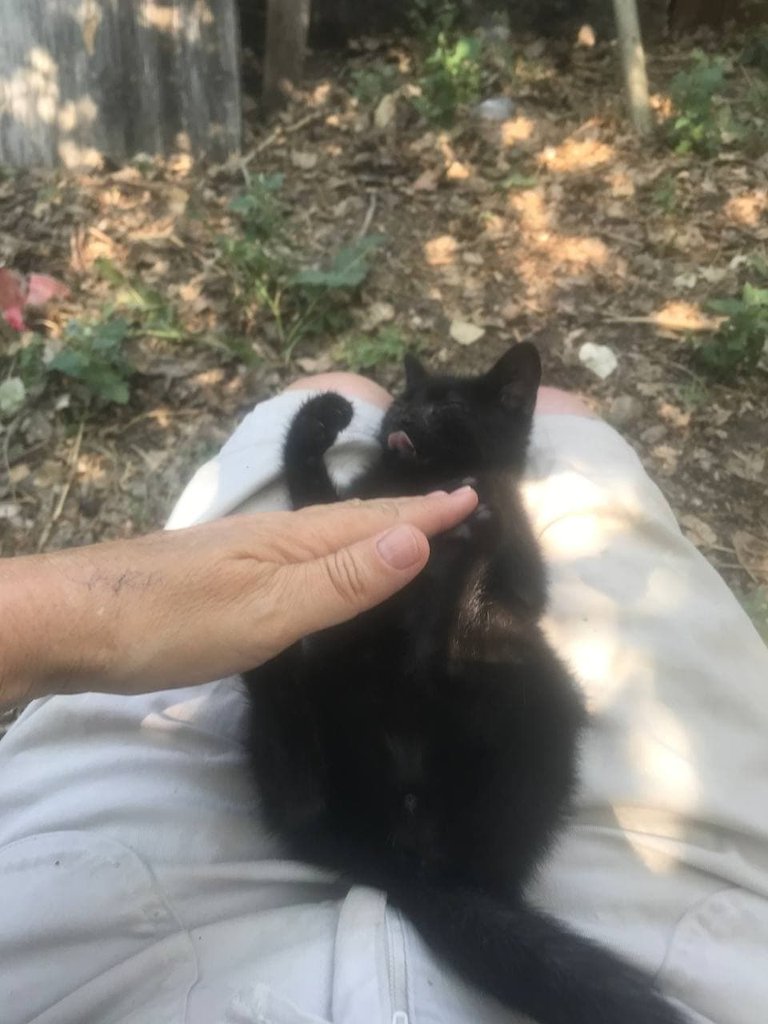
(752, 553)
(385, 111)
(746, 466)
(427, 181)
(702, 535)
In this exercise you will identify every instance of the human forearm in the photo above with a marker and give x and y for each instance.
(187, 606)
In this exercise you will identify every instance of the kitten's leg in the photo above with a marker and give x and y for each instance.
(313, 431)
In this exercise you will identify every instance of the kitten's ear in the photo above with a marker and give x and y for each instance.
(516, 376)
(415, 372)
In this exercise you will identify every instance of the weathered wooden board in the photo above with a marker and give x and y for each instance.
(286, 44)
(84, 78)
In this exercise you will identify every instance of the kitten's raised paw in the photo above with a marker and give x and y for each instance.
(319, 422)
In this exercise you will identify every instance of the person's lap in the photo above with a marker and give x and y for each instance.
(129, 831)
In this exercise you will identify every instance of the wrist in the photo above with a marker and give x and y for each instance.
(49, 641)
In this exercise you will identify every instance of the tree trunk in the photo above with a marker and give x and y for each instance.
(286, 46)
(633, 64)
(83, 79)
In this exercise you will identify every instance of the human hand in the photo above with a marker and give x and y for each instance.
(187, 606)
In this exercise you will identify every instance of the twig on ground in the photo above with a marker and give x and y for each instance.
(65, 490)
(277, 133)
(368, 217)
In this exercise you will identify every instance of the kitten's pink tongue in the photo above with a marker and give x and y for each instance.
(398, 441)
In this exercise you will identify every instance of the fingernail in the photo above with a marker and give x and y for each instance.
(437, 494)
(399, 547)
(466, 489)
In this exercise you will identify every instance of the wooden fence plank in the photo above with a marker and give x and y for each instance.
(84, 78)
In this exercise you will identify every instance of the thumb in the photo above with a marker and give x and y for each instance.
(342, 584)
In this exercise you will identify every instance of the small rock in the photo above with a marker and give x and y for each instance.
(586, 36)
(495, 108)
(600, 359)
(304, 160)
(624, 409)
(18, 473)
(315, 364)
(465, 333)
(377, 314)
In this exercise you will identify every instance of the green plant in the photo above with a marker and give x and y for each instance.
(695, 127)
(93, 354)
(318, 299)
(755, 52)
(266, 272)
(452, 77)
(693, 393)
(738, 343)
(260, 209)
(664, 195)
(387, 345)
(151, 313)
(521, 181)
(369, 84)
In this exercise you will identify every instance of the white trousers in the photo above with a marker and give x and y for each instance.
(136, 884)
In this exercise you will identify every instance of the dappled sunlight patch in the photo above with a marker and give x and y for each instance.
(530, 207)
(441, 251)
(580, 252)
(749, 209)
(545, 255)
(73, 114)
(678, 315)
(157, 16)
(31, 93)
(518, 129)
(576, 155)
(662, 759)
(74, 155)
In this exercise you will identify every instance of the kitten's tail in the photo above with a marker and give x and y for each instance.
(530, 961)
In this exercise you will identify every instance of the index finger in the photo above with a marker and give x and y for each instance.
(321, 529)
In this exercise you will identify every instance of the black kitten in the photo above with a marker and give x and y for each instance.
(429, 746)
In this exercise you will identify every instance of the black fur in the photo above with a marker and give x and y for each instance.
(429, 746)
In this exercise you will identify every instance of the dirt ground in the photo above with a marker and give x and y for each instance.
(556, 224)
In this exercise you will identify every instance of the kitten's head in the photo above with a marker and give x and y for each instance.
(464, 425)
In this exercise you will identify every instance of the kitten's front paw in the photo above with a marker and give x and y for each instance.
(319, 422)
